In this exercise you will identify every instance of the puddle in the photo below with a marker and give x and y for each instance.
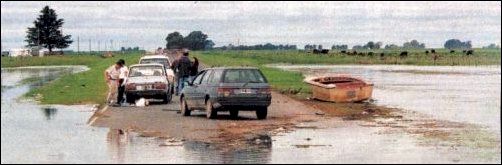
(346, 142)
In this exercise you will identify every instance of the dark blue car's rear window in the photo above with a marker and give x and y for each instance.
(243, 76)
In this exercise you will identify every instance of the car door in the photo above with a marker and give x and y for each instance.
(190, 91)
(202, 90)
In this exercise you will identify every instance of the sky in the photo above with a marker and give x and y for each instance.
(146, 24)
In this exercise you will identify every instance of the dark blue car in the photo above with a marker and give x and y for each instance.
(227, 89)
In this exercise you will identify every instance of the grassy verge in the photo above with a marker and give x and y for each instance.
(80, 88)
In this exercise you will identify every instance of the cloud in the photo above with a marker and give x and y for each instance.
(147, 23)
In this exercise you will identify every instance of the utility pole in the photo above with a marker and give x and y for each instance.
(90, 50)
(111, 45)
(78, 45)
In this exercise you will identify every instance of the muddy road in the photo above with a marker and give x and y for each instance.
(165, 120)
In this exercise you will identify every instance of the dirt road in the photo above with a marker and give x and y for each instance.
(164, 120)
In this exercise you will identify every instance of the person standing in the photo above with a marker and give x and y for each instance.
(194, 69)
(123, 72)
(182, 67)
(111, 76)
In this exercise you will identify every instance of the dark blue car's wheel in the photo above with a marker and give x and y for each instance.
(211, 113)
(261, 113)
(234, 114)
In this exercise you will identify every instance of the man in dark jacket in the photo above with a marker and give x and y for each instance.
(182, 68)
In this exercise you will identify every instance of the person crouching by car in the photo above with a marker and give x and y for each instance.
(123, 72)
(182, 67)
(112, 78)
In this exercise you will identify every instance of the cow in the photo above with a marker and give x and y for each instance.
(343, 52)
(426, 52)
(324, 51)
(433, 51)
(470, 52)
(403, 54)
(370, 53)
(317, 51)
(382, 56)
(452, 51)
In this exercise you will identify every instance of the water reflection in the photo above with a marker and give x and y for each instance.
(49, 112)
(128, 147)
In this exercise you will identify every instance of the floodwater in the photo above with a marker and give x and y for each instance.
(33, 133)
(455, 93)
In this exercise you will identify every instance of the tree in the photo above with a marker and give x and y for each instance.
(174, 40)
(339, 47)
(457, 44)
(196, 40)
(209, 44)
(358, 47)
(370, 45)
(47, 31)
(391, 46)
(413, 44)
(491, 46)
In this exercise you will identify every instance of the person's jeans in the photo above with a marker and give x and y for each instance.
(121, 89)
(180, 85)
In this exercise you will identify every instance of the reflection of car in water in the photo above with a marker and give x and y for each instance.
(227, 89)
(160, 59)
(147, 81)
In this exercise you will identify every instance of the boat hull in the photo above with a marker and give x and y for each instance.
(340, 89)
(342, 95)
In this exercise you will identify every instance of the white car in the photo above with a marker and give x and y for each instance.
(160, 59)
(147, 81)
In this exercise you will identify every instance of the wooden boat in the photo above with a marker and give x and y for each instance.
(340, 88)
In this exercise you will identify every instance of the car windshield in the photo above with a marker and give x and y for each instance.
(162, 61)
(243, 76)
(139, 71)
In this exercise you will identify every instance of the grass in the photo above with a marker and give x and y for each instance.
(80, 88)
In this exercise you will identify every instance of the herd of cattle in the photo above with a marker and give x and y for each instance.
(402, 54)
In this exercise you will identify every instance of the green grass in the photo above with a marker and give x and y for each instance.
(79, 88)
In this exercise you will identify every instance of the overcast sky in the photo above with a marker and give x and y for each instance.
(146, 24)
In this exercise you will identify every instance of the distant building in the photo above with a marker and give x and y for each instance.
(20, 52)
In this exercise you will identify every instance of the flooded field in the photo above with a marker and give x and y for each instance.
(33, 133)
(454, 93)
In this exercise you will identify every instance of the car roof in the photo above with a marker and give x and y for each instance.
(154, 56)
(137, 65)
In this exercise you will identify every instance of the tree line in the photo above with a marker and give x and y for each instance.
(267, 46)
(196, 40)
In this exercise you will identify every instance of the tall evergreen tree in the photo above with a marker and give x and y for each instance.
(47, 31)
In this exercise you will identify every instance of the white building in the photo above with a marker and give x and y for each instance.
(19, 52)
